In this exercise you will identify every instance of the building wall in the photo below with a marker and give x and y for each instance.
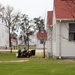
(49, 40)
(65, 48)
(4, 35)
(2, 39)
(61, 46)
(40, 46)
(54, 33)
(33, 39)
(14, 43)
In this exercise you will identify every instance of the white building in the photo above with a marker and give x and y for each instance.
(14, 41)
(61, 29)
(4, 35)
(32, 40)
(41, 37)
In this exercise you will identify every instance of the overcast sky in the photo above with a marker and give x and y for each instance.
(33, 8)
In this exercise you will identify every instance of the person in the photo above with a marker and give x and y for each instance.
(5, 46)
(19, 52)
(24, 52)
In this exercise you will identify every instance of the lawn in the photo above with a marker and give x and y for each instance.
(34, 65)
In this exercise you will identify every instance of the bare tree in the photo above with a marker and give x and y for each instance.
(26, 28)
(9, 18)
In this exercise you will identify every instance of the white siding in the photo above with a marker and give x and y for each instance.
(38, 45)
(58, 39)
(49, 41)
(54, 34)
(67, 47)
(4, 35)
(33, 39)
(2, 39)
(61, 46)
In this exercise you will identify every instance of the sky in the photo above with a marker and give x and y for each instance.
(33, 8)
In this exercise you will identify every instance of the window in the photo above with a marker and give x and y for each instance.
(41, 41)
(72, 32)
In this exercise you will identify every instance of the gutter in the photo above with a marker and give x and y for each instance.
(65, 18)
(60, 40)
(51, 43)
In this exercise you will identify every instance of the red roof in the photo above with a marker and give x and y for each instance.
(42, 35)
(49, 17)
(13, 40)
(64, 8)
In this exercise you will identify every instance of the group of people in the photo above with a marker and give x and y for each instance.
(22, 53)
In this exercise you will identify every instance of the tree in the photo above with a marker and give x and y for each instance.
(40, 26)
(9, 19)
(5, 14)
(39, 23)
(13, 35)
(26, 28)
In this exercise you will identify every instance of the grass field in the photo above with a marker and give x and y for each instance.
(35, 65)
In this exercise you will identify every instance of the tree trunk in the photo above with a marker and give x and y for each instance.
(44, 49)
(10, 39)
(28, 41)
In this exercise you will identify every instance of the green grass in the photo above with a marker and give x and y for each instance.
(35, 66)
